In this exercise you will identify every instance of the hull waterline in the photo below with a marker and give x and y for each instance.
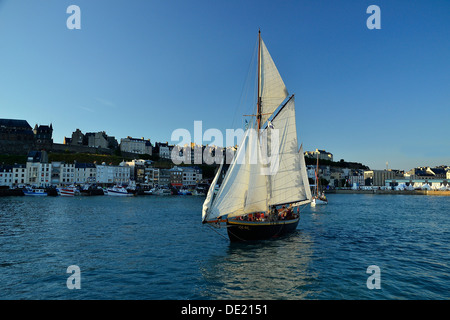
(248, 231)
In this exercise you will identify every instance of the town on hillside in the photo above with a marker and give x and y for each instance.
(28, 156)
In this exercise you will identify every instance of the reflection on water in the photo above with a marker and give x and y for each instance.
(273, 269)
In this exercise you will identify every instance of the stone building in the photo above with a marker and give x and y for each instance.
(134, 145)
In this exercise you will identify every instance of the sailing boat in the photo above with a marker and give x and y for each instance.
(319, 197)
(260, 199)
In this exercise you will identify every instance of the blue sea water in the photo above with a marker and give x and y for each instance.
(151, 247)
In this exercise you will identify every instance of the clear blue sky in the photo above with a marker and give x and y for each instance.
(145, 68)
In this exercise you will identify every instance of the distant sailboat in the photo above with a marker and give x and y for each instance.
(254, 205)
(319, 197)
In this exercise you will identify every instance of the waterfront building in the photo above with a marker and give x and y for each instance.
(19, 174)
(67, 173)
(176, 176)
(191, 176)
(139, 171)
(85, 173)
(356, 178)
(39, 174)
(151, 176)
(378, 177)
(38, 169)
(164, 177)
(6, 176)
(134, 145)
(56, 173)
(108, 174)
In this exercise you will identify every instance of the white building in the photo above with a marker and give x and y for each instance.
(356, 180)
(85, 173)
(152, 176)
(6, 176)
(112, 174)
(38, 174)
(67, 173)
(138, 146)
(191, 176)
(19, 174)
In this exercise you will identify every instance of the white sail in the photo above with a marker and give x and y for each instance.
(256, 199)
(233, 190)
(273, 90)
(210, 195)
(287, 183)
(244, 189)
(304, 174)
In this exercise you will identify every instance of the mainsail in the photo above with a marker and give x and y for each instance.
(287, 184)
(253, 184)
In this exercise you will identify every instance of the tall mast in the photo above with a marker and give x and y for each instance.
(317, 175)
(258, 117)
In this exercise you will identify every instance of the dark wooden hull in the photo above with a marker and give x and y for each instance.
(248, 231)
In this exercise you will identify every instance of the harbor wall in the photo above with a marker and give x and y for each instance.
(406, 192)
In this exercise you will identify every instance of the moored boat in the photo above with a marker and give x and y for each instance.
(68, 191)
(30, 191)
(118, 191)
(319, 197)
(163, 192)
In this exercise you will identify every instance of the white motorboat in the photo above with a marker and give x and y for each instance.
(118, 191)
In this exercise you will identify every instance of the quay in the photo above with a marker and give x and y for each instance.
(406, 192)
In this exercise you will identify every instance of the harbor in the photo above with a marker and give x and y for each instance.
(224, 158)
(156, 248)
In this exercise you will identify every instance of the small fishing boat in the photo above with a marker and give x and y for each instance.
(68, 191)
(163, 192)
(184, 192)
(118, 191)
(30, 191)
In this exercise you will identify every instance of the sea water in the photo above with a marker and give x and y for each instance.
(149, 247)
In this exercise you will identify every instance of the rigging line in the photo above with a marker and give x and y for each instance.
(217, 232)
(245, 88)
